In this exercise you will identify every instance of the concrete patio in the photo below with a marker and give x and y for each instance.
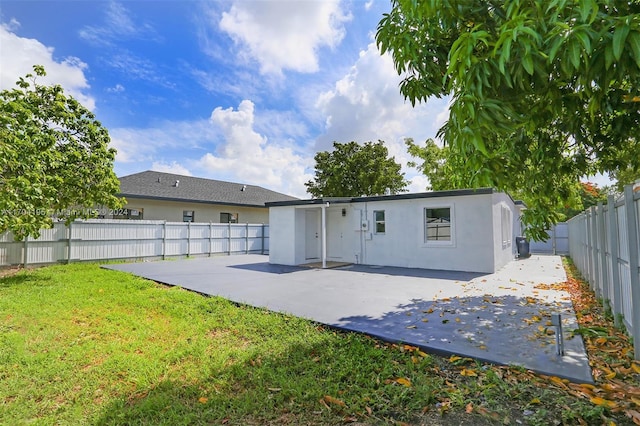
(503, 317)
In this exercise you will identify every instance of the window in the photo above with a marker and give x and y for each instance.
(188, 215)
(228, 217)
(506, 226)
(378, 217)
(438, 224)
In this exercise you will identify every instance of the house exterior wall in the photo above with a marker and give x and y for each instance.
(172, 211)
(483, 230)
(283, 235)
(403, 243)
(506, 227)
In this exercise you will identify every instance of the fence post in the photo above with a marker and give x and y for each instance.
(246, 239)
(25, 254)
(591, 252)
(229, 238)
(594, 251)
(602, 259)
(262, 240)
(613, 253)
(164, 240)
(69, 243)
(553, 239)
(210, 238)
(189, 239)
(632, 232)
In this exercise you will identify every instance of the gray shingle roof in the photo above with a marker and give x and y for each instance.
(162, 186)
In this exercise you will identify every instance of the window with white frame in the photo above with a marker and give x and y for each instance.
(378, 217)
(188, 215)
(506, 218)
(228, 217)
(438, 224)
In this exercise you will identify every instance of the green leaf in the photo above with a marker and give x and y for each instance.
(527, 63)
(634, 42)
(574, 54)
(619, 38)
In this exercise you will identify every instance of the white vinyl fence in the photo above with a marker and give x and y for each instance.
(558, 242)
(604, 246)
(95, 240)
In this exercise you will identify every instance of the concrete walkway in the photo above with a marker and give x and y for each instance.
(501, 318)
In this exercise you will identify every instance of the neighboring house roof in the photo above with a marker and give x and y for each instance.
(162, 186)
(432, 194)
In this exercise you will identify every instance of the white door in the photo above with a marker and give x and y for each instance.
(312, 234)
(335, 244)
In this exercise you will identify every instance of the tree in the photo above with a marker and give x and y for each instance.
(543, 92)
(589, 195)
(353, 170)
(55, 160)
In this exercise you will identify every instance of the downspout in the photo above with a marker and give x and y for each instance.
(323, 231)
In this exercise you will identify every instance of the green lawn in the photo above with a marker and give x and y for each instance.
(82, 345)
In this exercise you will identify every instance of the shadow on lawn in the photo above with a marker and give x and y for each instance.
(21, 278)
(281, 389)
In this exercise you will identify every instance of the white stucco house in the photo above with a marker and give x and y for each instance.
(461, 230)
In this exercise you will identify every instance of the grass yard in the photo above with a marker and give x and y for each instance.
(82, 345)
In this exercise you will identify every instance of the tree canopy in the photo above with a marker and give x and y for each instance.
(55, 159)
(542, 92)
(440, 166)
(353, 170)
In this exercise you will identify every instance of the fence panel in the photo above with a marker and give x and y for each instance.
(557, 243)
(604, 243)
(128, 239)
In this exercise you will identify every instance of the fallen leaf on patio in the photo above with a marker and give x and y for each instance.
(422, 354)
(404, 381)
(636, 367)
(335, 401)
(603, 402)
(428, 311)
(457, 319)
(454, 358)
(203, 400)
(469, 408)
(411, 326)
(425, 320)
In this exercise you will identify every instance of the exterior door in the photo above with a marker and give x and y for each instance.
(312, 234)
(335, 241)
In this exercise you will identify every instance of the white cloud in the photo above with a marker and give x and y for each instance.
(173, 167)
(118, 25)
(225, 147)
(19, 54)
(283, 35)
(134, 66)
(247, 156)
(118, 88)
(169, 138)
(366, 105)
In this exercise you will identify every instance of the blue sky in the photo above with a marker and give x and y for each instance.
(244, 91)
